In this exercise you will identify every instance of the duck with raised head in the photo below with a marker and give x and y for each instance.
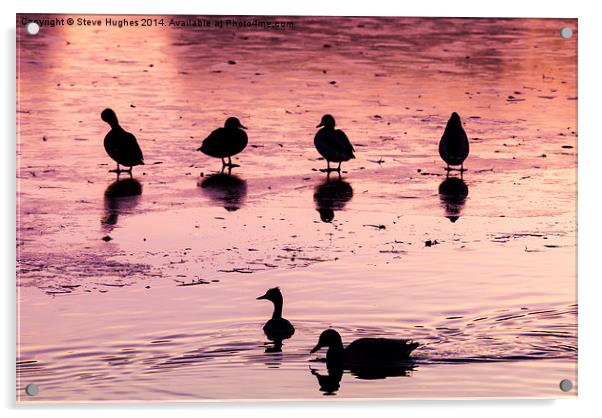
(121, 145)
(377, 351)
(453, 147)
(333, 144)
(226, 142)
(277, 328)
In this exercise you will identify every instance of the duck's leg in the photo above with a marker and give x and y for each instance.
(117, 170)
(223, 163)
(230, 164)
(339, 167)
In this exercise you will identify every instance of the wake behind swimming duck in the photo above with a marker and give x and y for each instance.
(453, 147)
(121, 146)
(332, 144)
(226, 142)
(365, 351)
(277, 328)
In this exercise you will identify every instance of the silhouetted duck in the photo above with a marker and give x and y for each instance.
(377, 351)
(277, 328)
(121, 145)
(226, 142)
(332, 144)
(453, 147)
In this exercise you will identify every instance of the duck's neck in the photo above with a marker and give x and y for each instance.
(335, 353)
(277, 309)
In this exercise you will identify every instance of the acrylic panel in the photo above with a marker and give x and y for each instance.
(203, 200)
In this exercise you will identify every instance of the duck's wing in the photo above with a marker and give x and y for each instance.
(131, 149)
(214, 144)
(379, 350)
(342, 142)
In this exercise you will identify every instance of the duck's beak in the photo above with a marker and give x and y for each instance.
(316, 348)
(242, 126)
(320, 125)
(262, 297)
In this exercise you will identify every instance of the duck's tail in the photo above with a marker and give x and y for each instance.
(411, 346)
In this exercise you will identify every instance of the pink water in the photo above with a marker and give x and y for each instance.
(493, 302)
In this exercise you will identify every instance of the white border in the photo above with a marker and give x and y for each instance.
(589, 210)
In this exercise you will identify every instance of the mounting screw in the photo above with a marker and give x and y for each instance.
(566, 32)
(566, 385)
(32, 389)
(32, 28)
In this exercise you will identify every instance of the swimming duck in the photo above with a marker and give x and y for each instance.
(364, 350)
(121, 145)
(453, 147)
(226, 142)
(277, 328)
(333, 144)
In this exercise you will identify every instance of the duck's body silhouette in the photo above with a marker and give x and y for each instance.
(365, 351)
(277, 328)
(121, 145)
(333, 144)
(226, 142)
(453, 147)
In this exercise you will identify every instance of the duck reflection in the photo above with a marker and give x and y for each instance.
(120, 196)
(330, 382)
(330, 196)
(225, 189)
(452, 193)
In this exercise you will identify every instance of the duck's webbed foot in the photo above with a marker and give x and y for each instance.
(461, 169)
(229, 164)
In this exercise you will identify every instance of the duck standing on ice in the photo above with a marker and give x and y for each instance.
(333, 144)
(121, 145)
(453, 147)
(277, 328)
(226, 142)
